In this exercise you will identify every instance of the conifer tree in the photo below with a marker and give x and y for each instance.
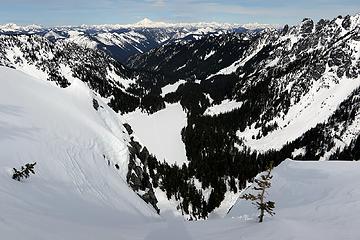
(259, 199)
(24, 172)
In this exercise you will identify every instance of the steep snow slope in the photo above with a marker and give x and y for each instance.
(313, 200)
(316, 107)
(77, 193)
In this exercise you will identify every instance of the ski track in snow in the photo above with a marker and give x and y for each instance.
(74, 193)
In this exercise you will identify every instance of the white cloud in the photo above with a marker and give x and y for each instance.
(157, 3)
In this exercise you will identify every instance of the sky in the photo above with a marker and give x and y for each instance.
(77, 12)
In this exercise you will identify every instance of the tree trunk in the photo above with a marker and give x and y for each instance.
(261, 217)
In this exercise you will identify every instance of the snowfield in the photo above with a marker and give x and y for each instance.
(75, 194)
(224, 107)
(161, 132)
(313, 200)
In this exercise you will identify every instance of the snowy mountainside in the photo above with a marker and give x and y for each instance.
(123, 89)
(290, 80)
(312, 199)
(77, 188)
(62, 62)
(123, 41)
(248, 98)
(282, 94)
(115, 85)
(197, 59)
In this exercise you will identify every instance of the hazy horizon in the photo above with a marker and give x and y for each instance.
(92, 12)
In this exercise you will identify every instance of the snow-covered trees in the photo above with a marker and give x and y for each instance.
(263, 183)
(24, 172)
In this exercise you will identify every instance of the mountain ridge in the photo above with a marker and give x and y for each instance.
(145, 23)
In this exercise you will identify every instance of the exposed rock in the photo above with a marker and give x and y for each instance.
(137, 176)
(346, 22)
(128, 128)
(95, 104)
(285, 29)
(306, 26)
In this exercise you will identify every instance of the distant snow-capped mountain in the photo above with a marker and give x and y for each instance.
(147, 23)
(12, 27)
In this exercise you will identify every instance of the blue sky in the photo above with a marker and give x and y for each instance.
(76, 12)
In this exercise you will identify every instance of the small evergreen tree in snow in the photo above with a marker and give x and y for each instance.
(259, 199)
(24, 172)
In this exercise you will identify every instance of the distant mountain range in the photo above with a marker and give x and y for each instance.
(123, 41)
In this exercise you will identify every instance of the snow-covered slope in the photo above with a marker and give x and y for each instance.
(161, 132)
(313, 200)
(77, 192)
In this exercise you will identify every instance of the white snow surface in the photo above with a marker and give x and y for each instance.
(208, 55)
(313, 200)
(74, 194)
(171, 87)
(224, 107)
(81, 39)
(12, 27)
(161, 132)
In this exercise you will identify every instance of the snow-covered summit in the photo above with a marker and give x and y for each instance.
(12, 27)
(147, 23)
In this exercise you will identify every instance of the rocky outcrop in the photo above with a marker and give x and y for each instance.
(138, 176)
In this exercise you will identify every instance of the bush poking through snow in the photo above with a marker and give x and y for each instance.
(259, 199)
(24, 172)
